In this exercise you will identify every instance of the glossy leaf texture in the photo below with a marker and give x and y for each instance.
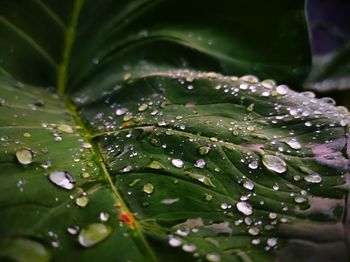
(174, 164)
(138, 154)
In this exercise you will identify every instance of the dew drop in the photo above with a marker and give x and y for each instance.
(121, 111)
(200, 163)
(282, 89)
(177, 163)
(313, 178)
(148, 188)
(82, 201)
(93, 234)
(248, 185)
(62, 179)
(254, 231)
(294, 144)
(104, 216)
(213, 257)
(24, 156)
(253, 165)
(65, 128)
(272, 242)
(143, 107)
(174, 241)
(189, 247)
(204, 150)
(73, 230)
(274, 163)
(244, 208)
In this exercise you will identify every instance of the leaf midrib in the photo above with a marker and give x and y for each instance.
(62, 73)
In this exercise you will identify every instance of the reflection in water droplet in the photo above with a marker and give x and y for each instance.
(93, 234)
(244, 208)
(24, 156)
(62, 179)
(274, 163)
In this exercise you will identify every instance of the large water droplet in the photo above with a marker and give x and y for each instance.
(313, 178)
(93, 234)
(24, 156)
(274, 163)
(62, 179)
(177, 163)
(244, 208)
(294, 144)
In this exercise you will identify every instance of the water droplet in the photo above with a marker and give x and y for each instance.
(62, 179)
(177, 163)
(174, 241)
(169, 201)
(73, 230)
(104, 216)
(148, 188)
(200, 163)
(313, 178)
(274, 163)
(254, 231)
(248, 185)
(204, 150)
(121, 111)
(143, 107)
(208, 197)
(24, 156)
(244, 208)
(272, 242)
(65, 128)
(294, 144)
(26, 134)
(300, 199)
(86, 145)
(189, 247)
(213, 257)
(272, 215)
(93, 234)
(282, 89)
(224, 206)
(82, 201)
(308, 123)
(155, 165)
(253, 165)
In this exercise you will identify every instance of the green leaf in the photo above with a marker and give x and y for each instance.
(273, 175)
(86, 42)
(138, 154)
